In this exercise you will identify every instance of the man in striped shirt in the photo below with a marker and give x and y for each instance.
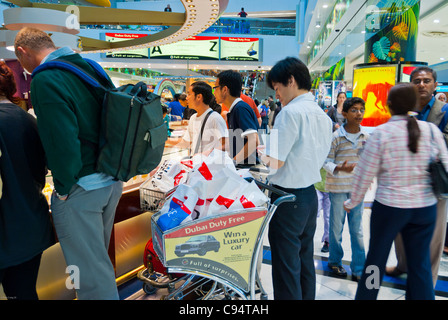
(348, 142)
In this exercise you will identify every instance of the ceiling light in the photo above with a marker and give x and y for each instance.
(436, 21)
(325, 6)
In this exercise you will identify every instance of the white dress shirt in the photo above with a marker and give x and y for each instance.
(301, 138)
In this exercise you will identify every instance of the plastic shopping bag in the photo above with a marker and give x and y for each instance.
(206, 190)
(178, 209)
(228, 192)
(170, 174)
(250, 196)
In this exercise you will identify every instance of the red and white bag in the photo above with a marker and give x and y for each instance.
(250, 196)
(179, 207)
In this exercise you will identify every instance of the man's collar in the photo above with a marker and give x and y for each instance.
(64, 51)
(234, 103)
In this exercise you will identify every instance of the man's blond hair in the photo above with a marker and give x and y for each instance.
(34, 39)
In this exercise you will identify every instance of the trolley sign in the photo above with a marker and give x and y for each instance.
(221, 246)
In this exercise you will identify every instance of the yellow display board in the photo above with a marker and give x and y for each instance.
(372, 84)
(221, 246)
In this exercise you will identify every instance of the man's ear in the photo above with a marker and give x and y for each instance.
(21, 52)
(291, 81)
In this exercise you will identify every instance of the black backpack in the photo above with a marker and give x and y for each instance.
(133, 133)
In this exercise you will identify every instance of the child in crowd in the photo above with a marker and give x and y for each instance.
(348, 142)
(323, 198)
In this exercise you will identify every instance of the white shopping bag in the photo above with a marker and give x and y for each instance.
(178, 209)
(250, 196)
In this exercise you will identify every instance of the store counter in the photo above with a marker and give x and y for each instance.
(131, 232)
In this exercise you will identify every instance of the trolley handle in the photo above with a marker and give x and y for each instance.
(284, 196)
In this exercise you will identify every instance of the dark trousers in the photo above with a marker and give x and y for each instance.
(416, 227)
(19, 282)
(291, 233)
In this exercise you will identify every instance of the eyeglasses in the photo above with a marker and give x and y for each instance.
(354, 110)
(214, 88)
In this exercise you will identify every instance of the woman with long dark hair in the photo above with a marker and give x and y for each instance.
(398, 153)
(335, 112)
(25, 225)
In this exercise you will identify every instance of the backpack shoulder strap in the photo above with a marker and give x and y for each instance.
(98, 69)
(71, 67)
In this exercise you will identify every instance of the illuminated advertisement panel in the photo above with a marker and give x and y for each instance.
(407, 68)
(138, 53)
(240, 49)
(192, 48)
(372, 83)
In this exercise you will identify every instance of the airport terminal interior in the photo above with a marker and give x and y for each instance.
(360, 47)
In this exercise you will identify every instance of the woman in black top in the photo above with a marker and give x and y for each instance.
(25, 225)
(335, 112)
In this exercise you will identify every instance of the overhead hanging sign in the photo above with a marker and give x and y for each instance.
(192, 48)
(137, 53)
(240, 49)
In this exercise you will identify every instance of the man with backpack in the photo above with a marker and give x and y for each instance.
(84, 201)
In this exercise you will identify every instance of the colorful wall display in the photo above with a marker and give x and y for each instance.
(397, 38)
(240, 49)
(407, 68)
(338, 86)
(193, 48)
(372, 83)
(138, 53)
(336, 72)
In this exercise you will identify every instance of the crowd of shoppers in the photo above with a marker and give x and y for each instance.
(327, 161)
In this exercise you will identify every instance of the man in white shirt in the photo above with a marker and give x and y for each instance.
(296, 149)
(215, 132)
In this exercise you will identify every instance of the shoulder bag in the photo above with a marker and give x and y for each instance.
(439, 176)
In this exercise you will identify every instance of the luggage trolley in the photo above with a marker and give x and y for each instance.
(216, 255)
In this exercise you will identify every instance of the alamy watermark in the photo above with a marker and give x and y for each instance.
(72, 21)
(73, 280)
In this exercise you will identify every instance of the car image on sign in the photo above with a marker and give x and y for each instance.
(200, 245)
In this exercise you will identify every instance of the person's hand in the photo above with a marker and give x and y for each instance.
(346, 167)
(261, 149)
(346, 202)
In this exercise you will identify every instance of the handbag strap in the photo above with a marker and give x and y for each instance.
(199, 142)
(433, 158)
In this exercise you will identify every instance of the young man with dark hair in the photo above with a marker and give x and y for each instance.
(296, 150)
(241, 119)
(215, 131)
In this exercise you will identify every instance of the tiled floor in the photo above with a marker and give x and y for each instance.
(329, 287)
